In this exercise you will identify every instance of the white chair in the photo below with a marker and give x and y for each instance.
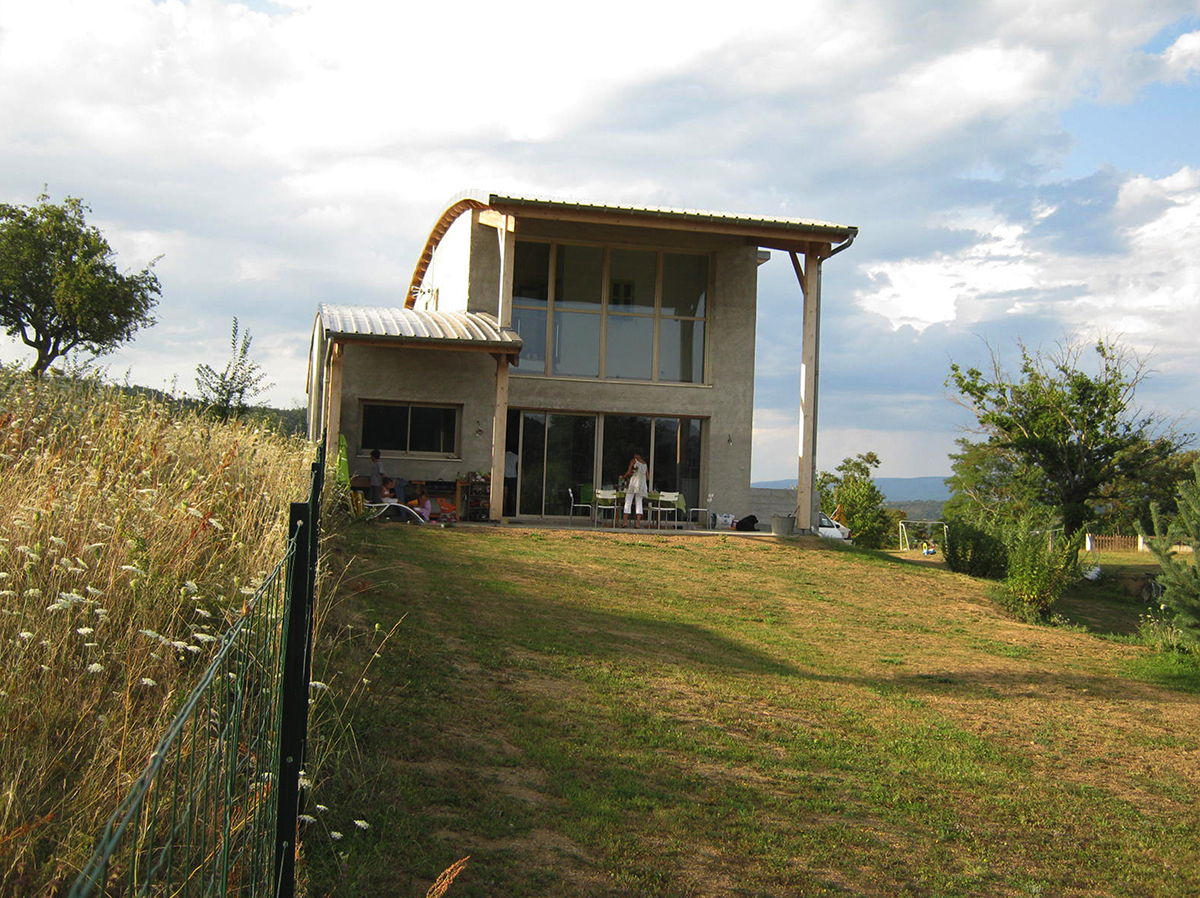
(700, 515)
(667, 504)
(606, 503)
(585, 502)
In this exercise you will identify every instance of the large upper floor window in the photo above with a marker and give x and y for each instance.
(409, 428)
(611, 313)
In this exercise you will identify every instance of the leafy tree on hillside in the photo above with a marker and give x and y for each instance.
(1074, 435)
(991, 486)
(229, 392)
(59, 287)
(853, 488)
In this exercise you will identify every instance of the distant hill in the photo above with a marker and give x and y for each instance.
(897, 489)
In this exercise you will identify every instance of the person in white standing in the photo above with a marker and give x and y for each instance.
(637, 487)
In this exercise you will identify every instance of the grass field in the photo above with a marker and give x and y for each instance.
(600, 714)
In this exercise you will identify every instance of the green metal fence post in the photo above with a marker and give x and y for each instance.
(293, 726)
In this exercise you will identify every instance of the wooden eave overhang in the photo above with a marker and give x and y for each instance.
(786, 234)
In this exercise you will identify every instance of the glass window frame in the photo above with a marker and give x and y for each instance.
(407, 408)
(556, 317)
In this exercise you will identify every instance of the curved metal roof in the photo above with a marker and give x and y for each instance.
(449, 330)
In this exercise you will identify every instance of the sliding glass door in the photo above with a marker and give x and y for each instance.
(568, 454)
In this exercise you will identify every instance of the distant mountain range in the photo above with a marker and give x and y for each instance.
(897, 489)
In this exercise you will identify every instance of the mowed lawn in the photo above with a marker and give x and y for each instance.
(630, 714)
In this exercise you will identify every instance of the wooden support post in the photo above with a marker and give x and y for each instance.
(333, 399)
(807, 500)
(508, 244)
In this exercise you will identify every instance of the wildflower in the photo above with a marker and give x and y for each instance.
(92, 591)
(93, 547)
(146, 681)
(307, 818)
(91, 645)
(190, 586)
(150, 633)
(33, 593)
(95, 667)
(335, 835)
(26, 635)
(84, 631)
(133, 569)
(322, 808)
(362, 824)
(4, 575)
(193, 648)
(149, 491)
(202, 612)
(7, 592)
(58, 541)
(317, 685)
(204, 637)
(247, 590)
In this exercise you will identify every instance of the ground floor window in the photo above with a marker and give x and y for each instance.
(561, 455)
(410, 428)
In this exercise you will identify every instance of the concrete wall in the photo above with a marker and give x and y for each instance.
(386, 373)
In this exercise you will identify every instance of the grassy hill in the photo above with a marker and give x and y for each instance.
(615, 714)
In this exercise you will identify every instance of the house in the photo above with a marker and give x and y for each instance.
(562, 335)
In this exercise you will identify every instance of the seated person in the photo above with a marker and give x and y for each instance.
(422, 504)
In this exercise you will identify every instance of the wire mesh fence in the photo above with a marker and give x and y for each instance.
(214, 812)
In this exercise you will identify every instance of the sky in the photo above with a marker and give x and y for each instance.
(1018, 171)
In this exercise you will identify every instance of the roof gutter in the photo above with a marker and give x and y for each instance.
(841, 246)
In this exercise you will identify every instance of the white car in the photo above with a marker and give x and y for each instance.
(831, 529)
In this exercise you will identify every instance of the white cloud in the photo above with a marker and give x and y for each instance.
(1006, 271)
(283, 153)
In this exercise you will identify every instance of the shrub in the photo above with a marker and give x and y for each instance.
(1180, 580)
(1040, 568)
(974, 551)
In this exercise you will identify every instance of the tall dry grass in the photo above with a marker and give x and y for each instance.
(131, 534)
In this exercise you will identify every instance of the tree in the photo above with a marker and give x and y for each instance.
(59, 287)
(228, 393)
(1075, 435)
(991, 486)
(854, 489)
(1180, 578)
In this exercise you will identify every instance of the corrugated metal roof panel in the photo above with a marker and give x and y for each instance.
(418, 326)
(727, 218)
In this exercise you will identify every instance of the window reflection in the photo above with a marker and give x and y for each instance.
(530, 324)
(630, 351)
(681, 350)
(685, 285)
(576, 344)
